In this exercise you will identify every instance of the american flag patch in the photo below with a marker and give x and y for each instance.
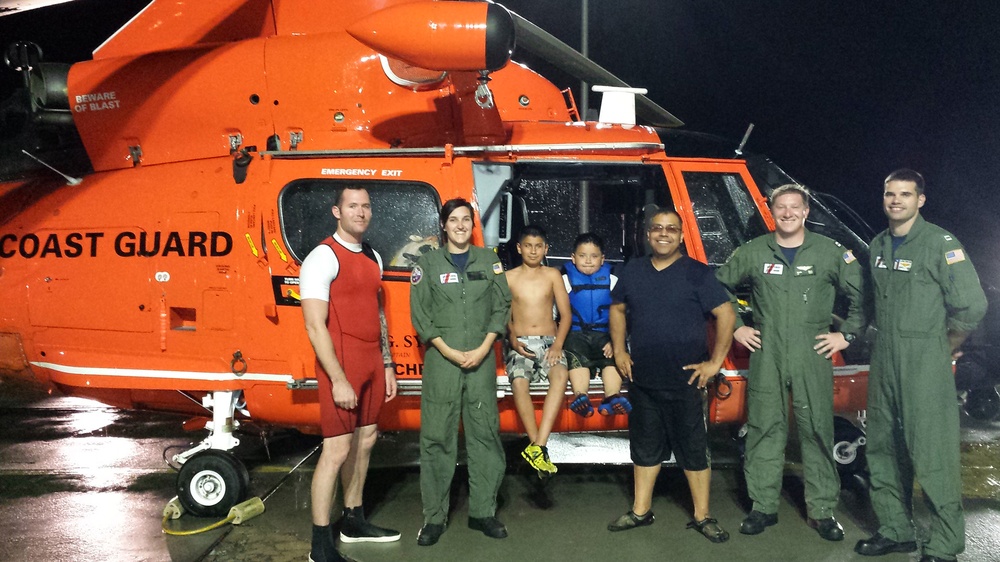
(497, 268)
(954, 256)
(849, 256)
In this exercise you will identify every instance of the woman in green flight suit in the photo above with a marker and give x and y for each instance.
(459, 304)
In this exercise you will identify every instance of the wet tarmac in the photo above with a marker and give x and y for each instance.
(80, 481)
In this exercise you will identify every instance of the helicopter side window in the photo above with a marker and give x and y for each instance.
(726, 214)
(404, 221)
(607, 199)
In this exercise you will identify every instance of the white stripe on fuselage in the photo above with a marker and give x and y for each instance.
(160, 374)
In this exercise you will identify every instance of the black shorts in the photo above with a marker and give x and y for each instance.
(668, 421)
(585, 349)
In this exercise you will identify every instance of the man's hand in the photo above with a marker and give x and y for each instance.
(343, 394)
(608, 351)
(749, 337)
(390, 383)
(830, 344)
(623, 361)
(704, 372)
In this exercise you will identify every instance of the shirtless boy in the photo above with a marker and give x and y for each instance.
(537, 343)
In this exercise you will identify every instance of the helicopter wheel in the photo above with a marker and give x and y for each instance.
(850, 459)
(983, 404)
(211, 482)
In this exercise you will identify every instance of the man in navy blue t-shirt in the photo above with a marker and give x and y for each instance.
(662, 303)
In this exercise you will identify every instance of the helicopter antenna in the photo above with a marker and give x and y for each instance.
(746, 137)
(70, 180)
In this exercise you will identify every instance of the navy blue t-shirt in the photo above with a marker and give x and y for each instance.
(666, 313)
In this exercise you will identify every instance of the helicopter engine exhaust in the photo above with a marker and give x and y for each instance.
(441, 35)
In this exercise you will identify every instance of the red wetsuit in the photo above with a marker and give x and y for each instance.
(353, 323)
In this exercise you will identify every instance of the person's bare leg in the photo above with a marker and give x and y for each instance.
(645, 480)
(324, 481)
(554, 400)
(612, 381)
(355, 469)
(700, 481)
(525, 409)
(579, 380)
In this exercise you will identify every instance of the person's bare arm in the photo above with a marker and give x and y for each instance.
(390, 368)
(561, 298)
(725, 319)
(616, 323)
(315, 313)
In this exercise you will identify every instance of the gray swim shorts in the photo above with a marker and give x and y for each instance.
(532, 368)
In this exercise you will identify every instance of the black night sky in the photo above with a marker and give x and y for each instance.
(841, 93)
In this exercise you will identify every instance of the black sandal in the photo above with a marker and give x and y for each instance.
(710, 528)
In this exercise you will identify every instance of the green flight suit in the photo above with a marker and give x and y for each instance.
(461, 308)
(923, 290)
(792, 304)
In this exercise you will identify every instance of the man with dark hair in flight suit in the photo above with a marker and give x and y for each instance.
(927, 299)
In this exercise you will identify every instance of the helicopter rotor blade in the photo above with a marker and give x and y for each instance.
(544, 45)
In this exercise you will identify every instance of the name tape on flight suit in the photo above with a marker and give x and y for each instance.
(774, 268)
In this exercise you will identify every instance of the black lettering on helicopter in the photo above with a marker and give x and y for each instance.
(31, 245)
(129, 244)
(126, 244)
(409, 369)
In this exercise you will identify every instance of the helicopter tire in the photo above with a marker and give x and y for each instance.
(983, 404)
(211, 482)
(848, 462)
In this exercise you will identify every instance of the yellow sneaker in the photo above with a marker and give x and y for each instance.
(538, 458)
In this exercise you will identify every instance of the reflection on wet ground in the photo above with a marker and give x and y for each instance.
(86, 482)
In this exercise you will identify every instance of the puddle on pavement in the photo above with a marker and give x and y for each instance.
(981, 470)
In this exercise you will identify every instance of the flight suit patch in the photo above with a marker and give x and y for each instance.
(416, 275)
(477, 276)
(880, 263)
(801, 270)
(954, 256)
(449, 278)
(902, 265)
(497, 268)
(849, 256)
(774, 268)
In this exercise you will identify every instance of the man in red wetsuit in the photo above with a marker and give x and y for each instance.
(340, 284)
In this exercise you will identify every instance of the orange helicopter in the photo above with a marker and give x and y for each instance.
(215, 137)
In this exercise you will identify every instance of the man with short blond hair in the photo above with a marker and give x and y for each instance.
(794, 277)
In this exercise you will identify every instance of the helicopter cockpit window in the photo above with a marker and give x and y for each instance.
(404, 221)
(569, 198)
(726, 214)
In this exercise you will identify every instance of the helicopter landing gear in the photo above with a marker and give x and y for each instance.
(211, 482)
(848, 447)
(211, 479)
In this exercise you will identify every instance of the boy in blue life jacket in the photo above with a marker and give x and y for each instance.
(588, 346)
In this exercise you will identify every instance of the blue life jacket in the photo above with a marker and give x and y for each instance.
(590, 298)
